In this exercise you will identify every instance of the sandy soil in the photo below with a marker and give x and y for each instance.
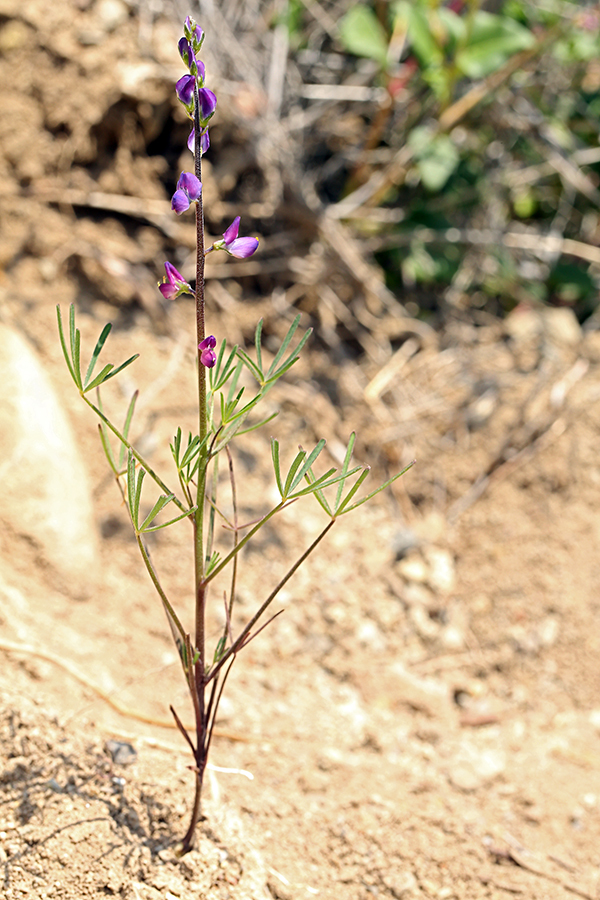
(423, 720)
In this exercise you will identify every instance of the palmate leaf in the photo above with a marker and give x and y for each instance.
(345, 508)
(343, 503)
(277, 367)
(73, 355)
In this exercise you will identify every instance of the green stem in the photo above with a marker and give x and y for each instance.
(136, 455)
(174, 622)
(227, 559)
(202, 412)
(242, 637)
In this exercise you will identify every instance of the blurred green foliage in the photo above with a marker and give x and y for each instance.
(499, 202)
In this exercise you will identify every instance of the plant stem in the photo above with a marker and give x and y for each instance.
(188, 839)
(197, 675)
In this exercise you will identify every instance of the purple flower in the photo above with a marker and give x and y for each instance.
(186, 52)
(208, 104)
(242, 247)
(185, 89)
(208, 356)
(204, 141)
(189, 189)
(173, 284)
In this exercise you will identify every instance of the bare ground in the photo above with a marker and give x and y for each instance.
(423, 720)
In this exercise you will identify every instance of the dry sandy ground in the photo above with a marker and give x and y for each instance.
(423, 720)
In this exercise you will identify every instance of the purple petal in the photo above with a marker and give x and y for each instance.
(185, 50)
(208, 103)
(169, 291)
(172, 274)
(190, 184)
(180, 202)
(201, 70)
(242, 247)
(208, 358)
(185, 89)
(209, 343)
(232, 232)
(204, 141)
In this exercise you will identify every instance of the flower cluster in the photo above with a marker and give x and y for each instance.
(189, 46)
(189, 187)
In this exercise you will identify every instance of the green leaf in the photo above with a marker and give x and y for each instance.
(106, 373)
(107, 448)
(276, 466)
(258, 424)
(251, 365)
(97, 350)
(345, 509)
(131, 484)
(436, 157)
(273, 372)
(138, 497)
(171, 521)
(63, 344)
(127, 425)
(191, 452)
(362, 33)
(257, 341)
(307, 464)
(99, 378)
(219, 374)
(158, 506)
(421, 36)
(318, 493)
(298, 460)
(344, 469)
(75, 339)
(493, 40)
(213, 563)
(339, 509)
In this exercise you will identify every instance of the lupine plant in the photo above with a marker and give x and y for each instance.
(225, 413)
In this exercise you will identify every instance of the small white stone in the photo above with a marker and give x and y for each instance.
(441, 570)
(413, 568)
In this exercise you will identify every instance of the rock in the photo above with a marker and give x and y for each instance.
(413, 568)
(561, 326)
(45, 498)
(441, 570)
(473, 767)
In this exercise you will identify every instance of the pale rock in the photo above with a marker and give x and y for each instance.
(561, 325)
(441, 577)
(413, 568)
(473, 767)
(426, 627)
(523, 323)
(453, 638)
(45, 496)
(111, 14)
